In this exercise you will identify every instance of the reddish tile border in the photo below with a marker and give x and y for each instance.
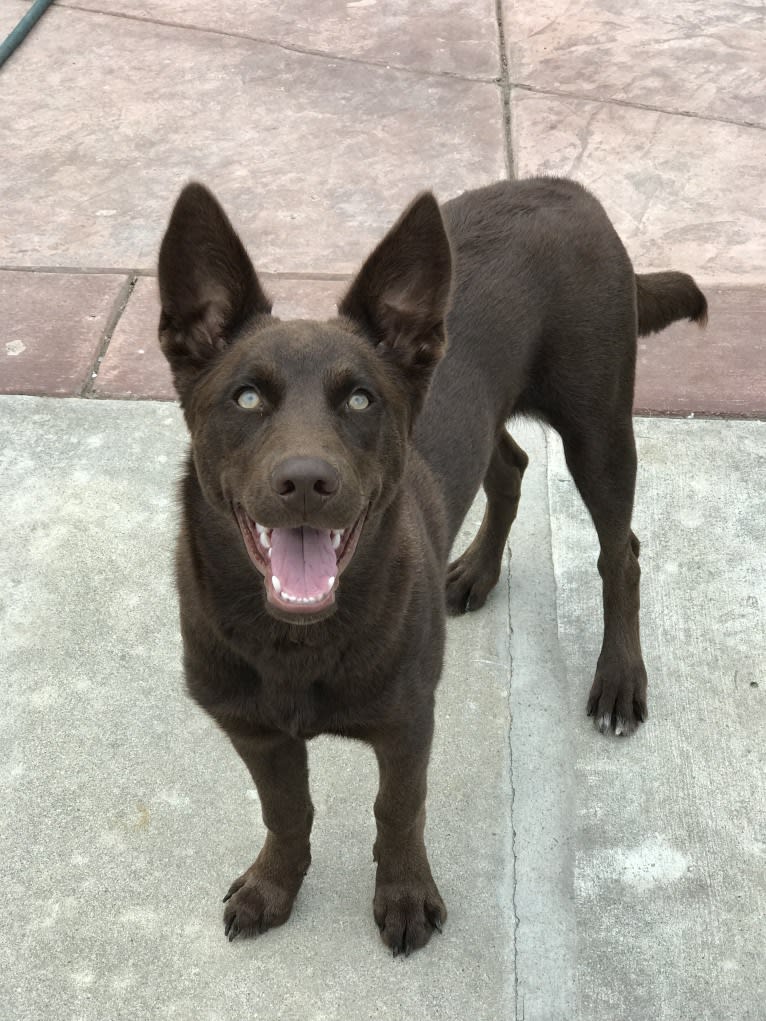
(718, 371)
(134, 367)
(58, 323)
(54, 325)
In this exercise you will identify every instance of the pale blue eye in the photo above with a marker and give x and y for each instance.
(249, 399)
(359, 401)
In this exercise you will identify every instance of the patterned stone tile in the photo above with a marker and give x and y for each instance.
(313, 157)
(451, 36)
(718, 371)
(683, 193)
(10, 14)
(52, 327)
(134, 365)
(702, 56)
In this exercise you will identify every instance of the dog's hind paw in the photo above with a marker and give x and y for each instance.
(617, 700)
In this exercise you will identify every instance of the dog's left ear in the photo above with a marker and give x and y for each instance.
(400, 296)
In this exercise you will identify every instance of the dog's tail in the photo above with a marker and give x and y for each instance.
(663, 298)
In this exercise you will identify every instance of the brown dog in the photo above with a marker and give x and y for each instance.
(332, 464)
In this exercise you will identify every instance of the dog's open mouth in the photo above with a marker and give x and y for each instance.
(301, 566)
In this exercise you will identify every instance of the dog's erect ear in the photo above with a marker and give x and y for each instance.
(208, 287)
(401, 294)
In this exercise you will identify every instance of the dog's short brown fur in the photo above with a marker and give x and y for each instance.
(347, 453)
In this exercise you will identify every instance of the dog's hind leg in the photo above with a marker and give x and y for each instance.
(473, 575)
(602, 460)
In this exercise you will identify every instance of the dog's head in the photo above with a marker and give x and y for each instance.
(300, 430)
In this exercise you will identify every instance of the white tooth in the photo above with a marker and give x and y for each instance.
(335, 539)
(265, 540)
(268, 550)
(260, 528)
(276, 584)
(330, 582)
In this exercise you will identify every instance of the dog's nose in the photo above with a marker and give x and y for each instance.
(305, 482)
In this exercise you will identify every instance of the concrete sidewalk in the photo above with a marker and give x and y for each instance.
(586, 878)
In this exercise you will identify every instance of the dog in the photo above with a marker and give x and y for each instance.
(332, 463)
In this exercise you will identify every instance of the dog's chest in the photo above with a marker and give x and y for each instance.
(304, 692)
(299, 709)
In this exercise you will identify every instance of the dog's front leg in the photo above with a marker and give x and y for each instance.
(407, 904)
(263, 896)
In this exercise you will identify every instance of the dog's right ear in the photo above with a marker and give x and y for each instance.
(208, 287)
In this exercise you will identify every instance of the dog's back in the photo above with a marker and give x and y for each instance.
(542, 322)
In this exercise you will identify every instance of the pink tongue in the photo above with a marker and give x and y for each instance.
(303, 559)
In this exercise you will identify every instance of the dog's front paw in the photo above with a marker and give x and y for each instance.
(407, 913)
(617, 699)
(470, 579)
(255, 902)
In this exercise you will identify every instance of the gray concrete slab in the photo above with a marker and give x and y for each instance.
(542, 744)
(670, 827)
(587, 878)
(126, 814)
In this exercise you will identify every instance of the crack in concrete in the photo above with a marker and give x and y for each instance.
(511, 780)
(505, 89)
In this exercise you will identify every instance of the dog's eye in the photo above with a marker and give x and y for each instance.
(249, 399)
(359, 400)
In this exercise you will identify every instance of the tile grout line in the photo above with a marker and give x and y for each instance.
(505, 90)
(118, 307)
(152, 272)
(288, 47)
(635, 105)
(80, 270)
